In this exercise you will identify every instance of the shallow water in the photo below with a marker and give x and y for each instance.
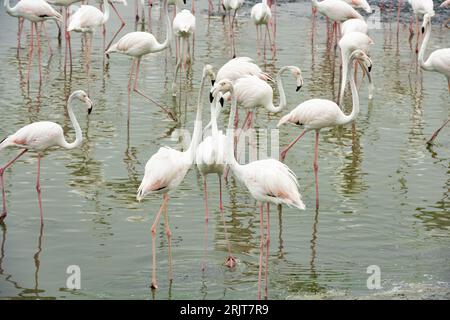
(384, 197)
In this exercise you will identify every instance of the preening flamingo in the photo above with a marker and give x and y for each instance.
(183, 28)
(438, 61)
(261, 15)
(35, 11)
(165, 171)
(350, 42)
(211, 159)
(136, 45)
(229, 5)
(39, 136)
(268, 181)
(316, 114)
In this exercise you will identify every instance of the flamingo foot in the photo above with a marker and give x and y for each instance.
(230, 262)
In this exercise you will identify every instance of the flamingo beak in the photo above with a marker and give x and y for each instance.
(211, 97)
(212, 82)
(184, 1)
(90, 104)
(298, 88)
(222, 101)
(370, 68)
(423, 30)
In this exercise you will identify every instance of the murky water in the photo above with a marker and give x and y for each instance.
(384, 195)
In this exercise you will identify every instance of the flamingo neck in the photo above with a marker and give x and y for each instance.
(230, 159)
(106, 11)
(9, 10)
(166, 43)
(280, 87)
(425, 64)
(76, 126)
(355, 97)
(345, 58)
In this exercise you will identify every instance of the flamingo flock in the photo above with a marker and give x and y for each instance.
(240, 82)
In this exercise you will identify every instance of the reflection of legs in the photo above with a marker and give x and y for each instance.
(316, 167)
(205, 239)
(169, 235)
(129, 88)
(38, 188)
(19, 32)
(438, 130)
(38, 35)
(285, 150)
(2, 182)
(47, 39)
(30, 52)
(261, 247)
(231, 261)
(153, 230)
(267, 248)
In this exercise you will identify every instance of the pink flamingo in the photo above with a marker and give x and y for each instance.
(316, 114)
(40, 136)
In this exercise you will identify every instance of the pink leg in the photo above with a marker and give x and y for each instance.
(47, 38)
(205, 239)
(261, 247)
(19, 33)
(430, 142)
(150, 7)
(129, 89)
(118, 31)
(135, 89)
(38, 189)
(2, 182)
(169, 236)
(267, 249)
(154, 284)
(316, 168)
(30, 53)
(193, 7)
(38, 34)
(417, 34)
(285, 150)
(231, 261)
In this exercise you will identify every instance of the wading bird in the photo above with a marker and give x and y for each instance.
(316, 114)
(268, 181)
(40, 136)
(165, 171)
(438, 61)
(136, 45)
(261, 15)
(420, 7)
(229, 5)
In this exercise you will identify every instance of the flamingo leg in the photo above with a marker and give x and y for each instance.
(267, 249)
(417, 34)
(285, 150)
(120, 28)
(135, 89)
(30, 53)
(168, 235)
(231, 260)
(38, 35)
(129, 89)
(261, 247)
(316, 168)
(205, 240)
(38, 189)
(2, 182)
(150, 6)
(50, 50)
(430, 142)
(154, 284)
(19, 33)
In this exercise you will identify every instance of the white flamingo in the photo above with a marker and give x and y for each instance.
(136, 45)
(165, 171)
(359, 4)
(40, 136)
(316, 114)
(230, 5)
(421, 7)
(261, 15)
(268, 181)
(438, 61)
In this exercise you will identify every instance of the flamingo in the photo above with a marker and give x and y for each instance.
(316, 114)
(420, 7)
(35, 11)
(438, 61)
(210, 159)
(445, 4)
(138, 44)
(359, 4)
(268, 181)
(183, 28)
(349, 43)
(122, 21)
(229, 5)
(261, 15)
(165, 171)
(40, 136)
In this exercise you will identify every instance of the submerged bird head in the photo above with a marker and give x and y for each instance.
(83, 97)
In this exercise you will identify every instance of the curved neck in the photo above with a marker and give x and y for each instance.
(9, 10)
(197, 133)
(166, 43)
(76, 126)
(355, 97)
(345, 59)
(105, 11)
(282, 102)
(214, 128)
(231, 160)
(423, 64)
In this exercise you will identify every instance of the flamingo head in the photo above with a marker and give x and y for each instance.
(223, 86)
(297, 74)
(208, 71)
(362, 57)
(426, 20)
(83, 97)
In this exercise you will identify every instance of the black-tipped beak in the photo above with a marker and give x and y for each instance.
(298, 88)
(423, 29)
(184, 1)
(90, 109)
(222, 101)
(211, 97)
(370, 68)
(212, 82)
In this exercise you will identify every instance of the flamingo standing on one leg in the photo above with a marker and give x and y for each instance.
(438, 61)
(183, 28)
(228, 6)
(261, 15)
(138, 44)
(165, 171)
(316, 114)
(269, 181)
(35, 11)
(40, 136)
